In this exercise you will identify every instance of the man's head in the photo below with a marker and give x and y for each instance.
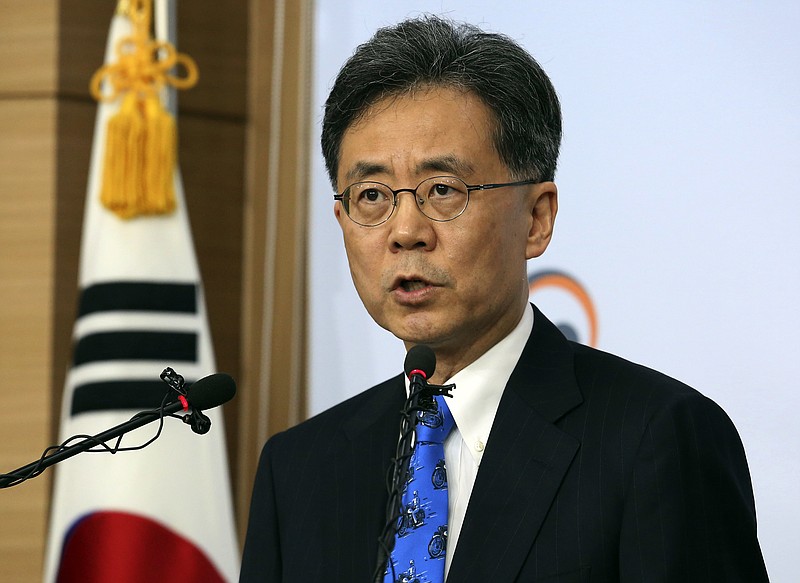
(472, 108)
(433, 52)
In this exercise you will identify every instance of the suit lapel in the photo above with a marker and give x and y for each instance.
(371, 432)
(524, 463)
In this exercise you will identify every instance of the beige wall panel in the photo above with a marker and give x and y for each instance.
(211, 153)
(27, 130)
(28, 40)
(215, 35)
(211, 160)
(74, 130)
(273, 328)
(256, 295)
(83, 31)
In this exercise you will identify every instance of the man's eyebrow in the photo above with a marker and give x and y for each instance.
(449, 163)
(363, 169)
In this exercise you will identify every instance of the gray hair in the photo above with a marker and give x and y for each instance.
(432, 51)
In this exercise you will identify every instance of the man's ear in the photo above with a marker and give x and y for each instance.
(543, 208)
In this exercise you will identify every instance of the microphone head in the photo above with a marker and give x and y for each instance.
(211, 391)
(420, 357)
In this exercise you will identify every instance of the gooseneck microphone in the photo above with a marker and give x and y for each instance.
(207, 393)
(211, 391)
(420, 361)
(419, 366)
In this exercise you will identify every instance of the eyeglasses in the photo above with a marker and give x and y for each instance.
(440, 198)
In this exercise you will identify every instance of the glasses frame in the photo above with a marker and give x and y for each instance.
(395, 193)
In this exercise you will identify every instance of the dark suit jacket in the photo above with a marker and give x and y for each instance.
(596, 469)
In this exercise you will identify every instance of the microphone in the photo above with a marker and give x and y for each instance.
(207, 393)
(419, 365)
(211, 391)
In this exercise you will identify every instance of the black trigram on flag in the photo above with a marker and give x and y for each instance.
(162, 301)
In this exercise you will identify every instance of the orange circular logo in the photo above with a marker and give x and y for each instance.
(566, 301)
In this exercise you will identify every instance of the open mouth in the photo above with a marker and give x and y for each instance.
(411, 285)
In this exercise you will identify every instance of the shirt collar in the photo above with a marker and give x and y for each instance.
(480, 386)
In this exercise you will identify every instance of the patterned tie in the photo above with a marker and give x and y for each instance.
(421, 539)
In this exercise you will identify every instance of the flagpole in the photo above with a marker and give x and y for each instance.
(165, 18)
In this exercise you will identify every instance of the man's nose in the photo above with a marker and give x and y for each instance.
(410, 228)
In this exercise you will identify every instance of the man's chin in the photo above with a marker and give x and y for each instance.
(419, 333)
(418, 326)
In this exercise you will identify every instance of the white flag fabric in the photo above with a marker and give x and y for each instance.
(163, 513)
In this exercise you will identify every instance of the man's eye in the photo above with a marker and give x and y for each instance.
(371, 195)
(446, 189)
(442, 190)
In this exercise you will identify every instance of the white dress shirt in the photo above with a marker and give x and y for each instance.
(474, 405)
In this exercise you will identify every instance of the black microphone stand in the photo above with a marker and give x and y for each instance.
(33, 469)
(199, 423)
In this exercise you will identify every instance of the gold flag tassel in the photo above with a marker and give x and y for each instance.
(141, 142)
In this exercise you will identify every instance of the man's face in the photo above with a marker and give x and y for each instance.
(459, 286)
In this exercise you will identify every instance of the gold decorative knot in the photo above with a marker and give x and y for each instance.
(144, 64)
(141, 142)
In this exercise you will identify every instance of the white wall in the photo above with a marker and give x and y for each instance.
(679, 207)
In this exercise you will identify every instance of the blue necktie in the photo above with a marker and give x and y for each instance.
(421, 539)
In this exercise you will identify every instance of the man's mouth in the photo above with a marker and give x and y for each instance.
(411, 285)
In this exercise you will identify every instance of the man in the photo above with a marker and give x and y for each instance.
(565, 463)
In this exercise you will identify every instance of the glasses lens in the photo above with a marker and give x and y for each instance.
(368, 203)
(442, 198)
